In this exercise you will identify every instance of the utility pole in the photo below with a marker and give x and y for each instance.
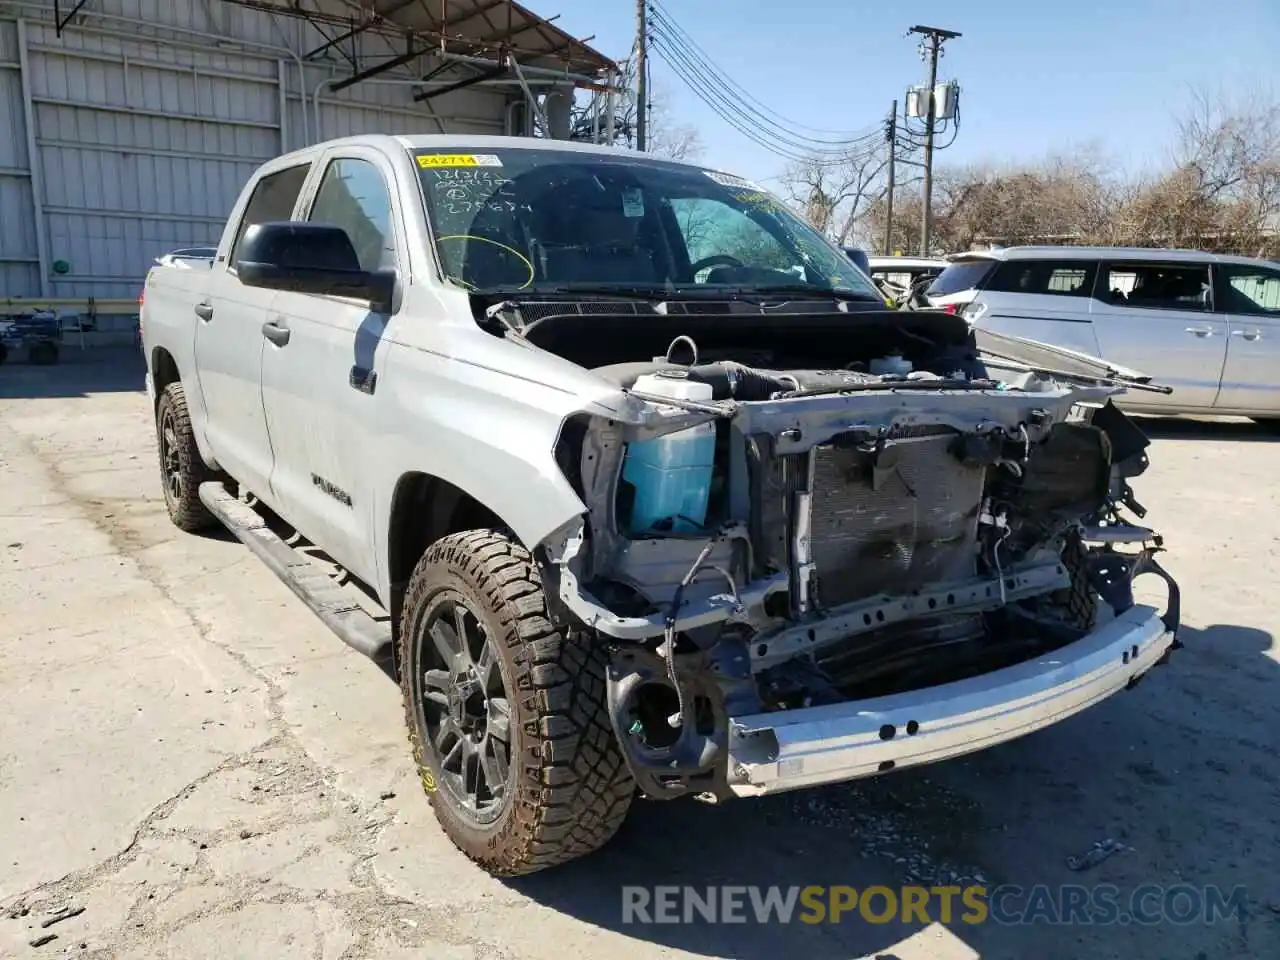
(931, 41)
(642, 74)
(891, 136)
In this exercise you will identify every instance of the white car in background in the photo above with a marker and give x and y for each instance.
(1207, 325)
(898, 275)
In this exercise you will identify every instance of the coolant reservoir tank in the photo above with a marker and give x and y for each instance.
(892, 364)
(671, 474)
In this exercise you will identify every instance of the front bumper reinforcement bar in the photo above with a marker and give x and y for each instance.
(775, 752)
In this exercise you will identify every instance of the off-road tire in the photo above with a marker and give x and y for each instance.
(1076, 604)
(568, 787)
(185, 509)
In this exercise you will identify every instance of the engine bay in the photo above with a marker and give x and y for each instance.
(799, 508)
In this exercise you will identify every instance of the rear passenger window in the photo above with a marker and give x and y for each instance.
(273, 199)
(1062, 278)
(966, 275)
(1158, 286)
(1251, 290)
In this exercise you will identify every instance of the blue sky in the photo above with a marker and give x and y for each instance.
(1036, 75)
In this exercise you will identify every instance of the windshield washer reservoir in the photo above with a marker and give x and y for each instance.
(671, 474)
(892, 364)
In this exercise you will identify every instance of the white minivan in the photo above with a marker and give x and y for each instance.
(1207, 325)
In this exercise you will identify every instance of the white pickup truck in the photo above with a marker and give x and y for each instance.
(656, 495)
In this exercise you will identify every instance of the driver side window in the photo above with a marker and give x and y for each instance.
(714, 229)
(354, 196)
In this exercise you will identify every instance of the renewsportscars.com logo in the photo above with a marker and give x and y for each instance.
(1064, 905)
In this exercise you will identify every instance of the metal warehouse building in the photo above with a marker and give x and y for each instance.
(131, 125)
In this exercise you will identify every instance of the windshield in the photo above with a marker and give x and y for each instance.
(521, 219)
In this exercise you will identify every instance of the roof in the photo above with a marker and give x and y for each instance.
(479, 144)
(1144, 254)
(477, 27)
(444, 141)
(909, 263)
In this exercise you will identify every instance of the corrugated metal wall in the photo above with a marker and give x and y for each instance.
(19, 263)
(142, 144)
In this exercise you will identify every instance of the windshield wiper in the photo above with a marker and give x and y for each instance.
(621, 291)
(774, 289)
(676, 291)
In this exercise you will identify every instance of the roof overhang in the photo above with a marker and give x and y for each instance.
(497, 30)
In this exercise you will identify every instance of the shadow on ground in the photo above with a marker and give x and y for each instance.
(1182, 428)
(1178, 769)
(78, 373)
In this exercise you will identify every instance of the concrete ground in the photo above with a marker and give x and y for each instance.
(192, 759)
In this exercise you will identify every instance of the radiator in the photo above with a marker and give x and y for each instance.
(892, 522)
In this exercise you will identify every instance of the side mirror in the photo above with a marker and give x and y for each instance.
(313, 258)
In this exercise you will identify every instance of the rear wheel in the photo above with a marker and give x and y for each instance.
(181, 468)
(506, 713)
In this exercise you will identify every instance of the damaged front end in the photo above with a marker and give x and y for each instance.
(885, 564)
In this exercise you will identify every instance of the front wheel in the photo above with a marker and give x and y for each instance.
(506, 713)
(1076, 604)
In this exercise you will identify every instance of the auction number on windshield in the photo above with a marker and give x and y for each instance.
(429, 160)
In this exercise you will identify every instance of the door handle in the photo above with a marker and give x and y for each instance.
(1201, 331)
(363, 379)
(1247, 334)
(204, 311)
(276, 333)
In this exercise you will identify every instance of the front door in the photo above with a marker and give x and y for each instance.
(1250, 298)
(320, 377)
(1157, 317)
(229, 342)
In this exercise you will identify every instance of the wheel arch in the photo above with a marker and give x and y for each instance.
(164, 371)
(425, 508)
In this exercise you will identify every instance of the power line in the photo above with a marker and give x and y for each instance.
(710, 89)
(758, 134)
(679, 37)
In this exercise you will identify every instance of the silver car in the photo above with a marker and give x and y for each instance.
(1205, 324)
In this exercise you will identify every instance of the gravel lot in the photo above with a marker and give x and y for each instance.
(189, 756)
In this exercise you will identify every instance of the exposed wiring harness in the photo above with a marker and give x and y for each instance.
(676, 720)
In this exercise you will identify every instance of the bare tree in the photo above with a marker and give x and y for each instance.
(834, 196)
(1224, 188)
(1221, 191)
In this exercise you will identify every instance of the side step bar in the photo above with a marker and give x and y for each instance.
(330, 602)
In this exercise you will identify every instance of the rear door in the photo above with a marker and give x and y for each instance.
(318, 386)
(1249, 296)
(1042, 300)
(1158, 317)
(228, 342)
